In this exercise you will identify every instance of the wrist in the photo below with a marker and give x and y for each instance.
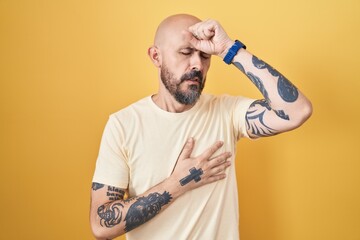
(226, 48)
(233, 51)
(173, 186)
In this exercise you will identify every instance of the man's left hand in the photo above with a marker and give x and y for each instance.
(209, 37)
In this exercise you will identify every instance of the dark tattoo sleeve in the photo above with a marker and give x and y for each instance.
(287, 91)
(259, 84)
(96, 186)
(194, 175)
(110, 214)
(115, 193)
(259, 127)
(145, 208)
(239, 66)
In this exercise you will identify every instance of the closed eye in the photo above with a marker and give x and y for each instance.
(205, 55)
(185, 53)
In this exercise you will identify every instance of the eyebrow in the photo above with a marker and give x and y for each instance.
(186, 47)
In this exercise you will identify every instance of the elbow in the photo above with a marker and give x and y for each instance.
(98, 232)
(303, 114)
(307, 111)
(102, 233)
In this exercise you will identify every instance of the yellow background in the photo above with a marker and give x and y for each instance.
(66, 65)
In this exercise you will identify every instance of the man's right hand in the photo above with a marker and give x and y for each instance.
(193, 172)
(111, 218)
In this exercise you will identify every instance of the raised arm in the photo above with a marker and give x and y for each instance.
(283, 108)
(111, 215)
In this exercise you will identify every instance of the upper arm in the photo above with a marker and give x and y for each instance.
(263, 121)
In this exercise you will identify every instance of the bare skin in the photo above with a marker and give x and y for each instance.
(169, 44)
(184, 44)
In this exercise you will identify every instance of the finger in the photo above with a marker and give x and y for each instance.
(208, 33)
(220, 169)
(187, 149)
(191, 38)
(185, 152)
(216, 178)
(197, 30)
(193, 28)
(220, 158)
(210, 151)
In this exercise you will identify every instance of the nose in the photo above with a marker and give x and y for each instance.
(196, 62)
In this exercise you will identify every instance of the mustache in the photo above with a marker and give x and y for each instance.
(191, 75)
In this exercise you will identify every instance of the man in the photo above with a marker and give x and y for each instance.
(172, 153)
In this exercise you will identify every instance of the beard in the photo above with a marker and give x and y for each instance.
(173, 85)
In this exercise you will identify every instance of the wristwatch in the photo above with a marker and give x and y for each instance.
(233, 51)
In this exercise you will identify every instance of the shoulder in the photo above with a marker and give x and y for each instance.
(132, 109)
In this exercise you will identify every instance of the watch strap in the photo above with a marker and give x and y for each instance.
(233, 51)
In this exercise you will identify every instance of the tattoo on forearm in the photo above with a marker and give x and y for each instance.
(255, 79)
(260, 64)
(110, 214)
(194, 175)
(239, 66)
(96, 186)
(145, 208)
(259, 84)
(253, 117)
(287, 91)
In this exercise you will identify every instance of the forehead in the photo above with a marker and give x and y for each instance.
(171, 31)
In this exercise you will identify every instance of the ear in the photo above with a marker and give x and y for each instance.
(155, 56)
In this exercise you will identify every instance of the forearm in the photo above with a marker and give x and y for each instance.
(112, 216)
(117, 217)
(287, 102)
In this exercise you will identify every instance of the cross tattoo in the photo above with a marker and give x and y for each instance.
(194, 175)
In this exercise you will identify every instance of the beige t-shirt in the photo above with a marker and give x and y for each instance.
(139, 149)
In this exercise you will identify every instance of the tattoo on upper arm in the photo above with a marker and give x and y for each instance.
(115, 193)
(96, 186)
(194, 175)
(145, 208)
(287, 91)
(258, 127)
(110, 214)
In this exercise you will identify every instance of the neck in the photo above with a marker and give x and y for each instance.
(167, 102)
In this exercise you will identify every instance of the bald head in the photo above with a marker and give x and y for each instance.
(172, 27)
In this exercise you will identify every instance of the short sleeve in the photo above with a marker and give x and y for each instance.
(111, 165)
(238, 106)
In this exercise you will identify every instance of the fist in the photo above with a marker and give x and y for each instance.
(209, 37)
